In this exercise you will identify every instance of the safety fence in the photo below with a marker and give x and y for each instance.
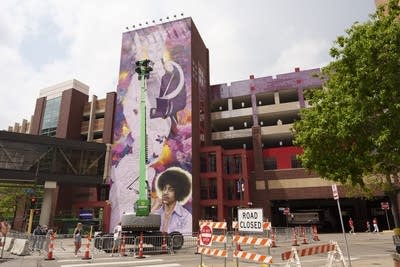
(129, 245)
(332, 249)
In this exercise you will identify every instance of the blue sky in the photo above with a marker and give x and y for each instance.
(45, 42)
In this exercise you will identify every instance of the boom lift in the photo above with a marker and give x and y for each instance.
(143, 222)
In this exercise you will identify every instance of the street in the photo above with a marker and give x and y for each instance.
(366, 249)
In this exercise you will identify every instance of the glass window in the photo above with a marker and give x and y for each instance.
(270, 163)
(50, 117)
(296, 163)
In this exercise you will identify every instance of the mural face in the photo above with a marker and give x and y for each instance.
(169, 125)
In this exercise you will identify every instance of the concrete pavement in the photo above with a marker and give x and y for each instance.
(366, 250)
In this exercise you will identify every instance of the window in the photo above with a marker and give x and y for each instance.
(296, 163)
(50, 117)
(208, 188)
(208, 162)
(270, 163)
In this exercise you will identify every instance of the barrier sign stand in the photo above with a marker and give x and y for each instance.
(385, 206)
(336, 197)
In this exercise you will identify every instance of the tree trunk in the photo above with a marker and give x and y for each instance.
(395, 208)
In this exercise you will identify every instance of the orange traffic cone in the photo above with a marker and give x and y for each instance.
(51, 248)
(87, 250)
(122, 247)
(197, 245)
(164, 244)
(273, 238)
(294, 237)
(315, 233)
(140, 255)
(303, 232)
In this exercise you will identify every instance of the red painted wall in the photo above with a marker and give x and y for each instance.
(283, 155)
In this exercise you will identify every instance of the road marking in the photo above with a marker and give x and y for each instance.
(115, 263)
(93, 259)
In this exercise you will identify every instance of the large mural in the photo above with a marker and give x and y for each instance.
(169, 125)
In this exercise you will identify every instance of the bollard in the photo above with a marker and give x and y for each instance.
(303, 232)
(140, 255)
(122, 247)
(197, 244)
(87, 250)
(294, 237)
(51, 247)
(164, 244)
(315, 233)
(273, 237)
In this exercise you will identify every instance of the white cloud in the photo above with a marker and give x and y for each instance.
(258, 37)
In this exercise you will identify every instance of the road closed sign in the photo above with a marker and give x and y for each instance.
(206, 235)
(250, 220)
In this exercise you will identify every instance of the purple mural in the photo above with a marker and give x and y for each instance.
(169, 125)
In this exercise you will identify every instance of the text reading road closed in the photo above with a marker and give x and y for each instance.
(250, 220)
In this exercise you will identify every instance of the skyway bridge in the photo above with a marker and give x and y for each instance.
(34, 159)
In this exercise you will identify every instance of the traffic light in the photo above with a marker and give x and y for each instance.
(33, 202)
(36, 212)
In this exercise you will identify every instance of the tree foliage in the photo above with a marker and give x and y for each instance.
(351, 131)
(11, 195)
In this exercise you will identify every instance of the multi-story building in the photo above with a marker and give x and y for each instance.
(233, 142)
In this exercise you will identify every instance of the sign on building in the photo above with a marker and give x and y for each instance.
(250, 220)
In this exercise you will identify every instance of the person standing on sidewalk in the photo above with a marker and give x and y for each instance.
(117, 238)
(368, 227)
(351, 224)
(78, 238)
(375, 224)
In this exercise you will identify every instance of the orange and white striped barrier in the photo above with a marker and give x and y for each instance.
(214, 225)
(249, 240)
(51, 248)
(315, 233)
(292, 256)
(214, 252)
(266, 225)
(87, 250)
(252, 257)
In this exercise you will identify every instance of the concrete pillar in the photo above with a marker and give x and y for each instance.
(92, 118)
(46, 209)
(276, 98)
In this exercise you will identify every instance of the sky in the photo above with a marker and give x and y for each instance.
(45, 42)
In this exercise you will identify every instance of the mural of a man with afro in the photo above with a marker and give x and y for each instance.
(175, 186)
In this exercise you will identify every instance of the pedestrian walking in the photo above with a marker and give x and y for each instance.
(78, 238)
(375, 224)
(351, 225)
(117, 238)
(368, 227)
(36, 235)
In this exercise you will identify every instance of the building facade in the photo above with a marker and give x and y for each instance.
(233, 142)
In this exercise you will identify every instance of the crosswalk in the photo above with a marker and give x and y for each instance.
(106, 262)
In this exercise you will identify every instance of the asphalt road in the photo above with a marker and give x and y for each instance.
(365, 250)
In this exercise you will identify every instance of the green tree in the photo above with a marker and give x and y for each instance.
(11, 196)
(351, 132)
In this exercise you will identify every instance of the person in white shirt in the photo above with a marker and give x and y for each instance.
(117, 238)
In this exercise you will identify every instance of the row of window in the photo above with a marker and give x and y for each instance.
(233, 189)
(232, 164)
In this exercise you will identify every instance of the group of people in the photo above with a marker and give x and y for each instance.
(39, 237)
(368, 226)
